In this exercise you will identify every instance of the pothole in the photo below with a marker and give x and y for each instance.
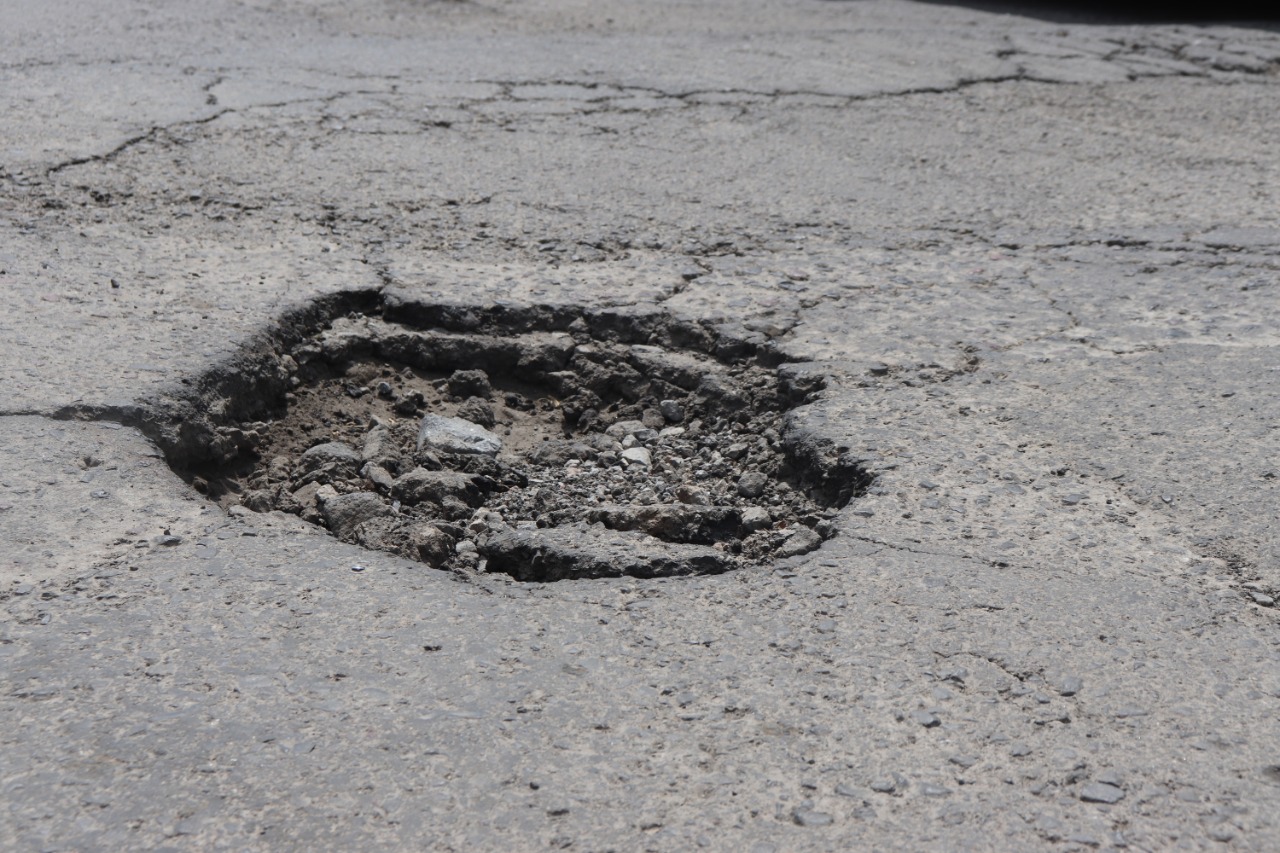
(542, 454)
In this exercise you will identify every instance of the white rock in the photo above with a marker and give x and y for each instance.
(454, 435)
(637, 456)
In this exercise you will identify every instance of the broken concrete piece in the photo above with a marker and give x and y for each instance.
(454, 435)
(579, 551)
(344, 513)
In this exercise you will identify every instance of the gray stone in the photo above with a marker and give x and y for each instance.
(672, 410)
(637, 456)
(421, 485)
(454, 435)
(622, 429)
(756, 518)
(330, 454)
(377, 475)
(469, 383)
(807, 817)
(802, 541)
(431, 545)
(578, 551)
(381, 449)
(344, 513)
(477, 411)
(1101, 792)
(673, 522)
(752, 484)
(1070, 685)
(925, 718)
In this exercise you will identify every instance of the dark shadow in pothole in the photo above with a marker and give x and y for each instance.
(542, 443)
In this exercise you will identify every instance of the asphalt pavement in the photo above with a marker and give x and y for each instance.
(1026, 257)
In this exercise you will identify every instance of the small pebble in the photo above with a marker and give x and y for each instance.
(1070, 685)
(925, 718)
(804, 817)
(1101, 792)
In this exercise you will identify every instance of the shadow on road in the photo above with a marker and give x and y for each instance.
(1253, 15)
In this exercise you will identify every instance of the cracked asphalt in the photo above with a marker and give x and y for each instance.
(1034, 257)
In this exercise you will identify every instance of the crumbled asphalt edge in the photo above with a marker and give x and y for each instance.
(194, 422)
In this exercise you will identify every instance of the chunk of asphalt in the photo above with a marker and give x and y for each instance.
(1101, 792)
(344, 513)
(579, 551)
(329, 453)
(422, 485)
(454, 435)
(802, 541)
(673, 522)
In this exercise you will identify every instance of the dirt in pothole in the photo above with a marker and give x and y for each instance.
(545, 455)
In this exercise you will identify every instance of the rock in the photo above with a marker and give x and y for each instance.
(431, 545)
(688, 494)
(477, 411)
(1101, 792)
(378, 475)
(752, 484)
(802, 541)
(409, 404)
(302, 499)
(672, 411)
(653, 419)
(258, 500)
(381, 449)
(637, 456)
(622, 429)
(1069, 685)
(925, 718)
(579, 551)
(422, 485)
(560, 451)
(332, 458)
(454, 435)
(344, 513)
(756, 518)
(805, 817)
(737, 450)
(469, 383)
(673, 522)
(670, 433)
(883, 786)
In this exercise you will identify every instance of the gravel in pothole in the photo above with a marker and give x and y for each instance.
(545, 455)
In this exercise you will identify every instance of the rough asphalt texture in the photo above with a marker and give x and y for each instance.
(1037, 261)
